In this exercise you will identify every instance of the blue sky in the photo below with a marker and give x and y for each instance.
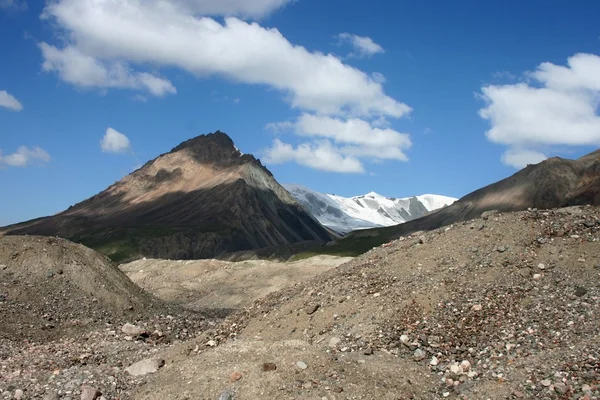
(345, 97)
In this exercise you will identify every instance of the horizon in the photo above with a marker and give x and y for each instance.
(392, 99)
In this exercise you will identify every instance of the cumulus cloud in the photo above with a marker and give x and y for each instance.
(351, 139)
(83, 70)
(519, 158)
(242, 8)
(322, 156)
(115, 142)
(24, 156)
(559, 106)
(171, 34)
(363, 46)
(9, 101)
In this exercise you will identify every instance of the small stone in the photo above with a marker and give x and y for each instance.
(133, 330)
(236, 376)
(89, 393)
(580, 291)
(537, 277)
(404, 339)
(434, 361)
(18, 394)
(518, 395)
(419, 355)
(501, 249)
(301, 365)
(311, 309)
(267, 367)
(546, 382)
(465, 365)
(560, 388)
(476, 307)
(145, 367)
(3, 267)
(49, 274)
(446, 394)
(542, 266)
(211, 343)
(338, 389)
(456, 369)
(334, 342)
(368, 351)
(226, 396)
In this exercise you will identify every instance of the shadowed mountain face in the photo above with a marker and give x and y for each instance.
(553, 183)
(202, 199)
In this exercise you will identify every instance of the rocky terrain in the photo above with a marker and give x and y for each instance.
(64, 311)
(202, 199)
(501, 307)
(222, 285)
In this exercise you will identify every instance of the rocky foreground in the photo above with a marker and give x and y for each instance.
(502, 307)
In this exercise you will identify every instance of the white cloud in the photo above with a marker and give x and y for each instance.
(165, 34)
(363, 46)
(243, 8)
(9, 101)
(353, 139)
(519, 158)
(24, 156)
(83, 70)
(115, 142)
(322, 156)
(558, 107)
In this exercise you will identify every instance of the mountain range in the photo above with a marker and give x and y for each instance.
(206, 199)
(343, 214)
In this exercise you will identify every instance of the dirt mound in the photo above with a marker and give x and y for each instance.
(215, 284)
(505, 306)
(50, 284)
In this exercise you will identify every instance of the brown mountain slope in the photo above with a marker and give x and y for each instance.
(553, 183)
(202, 199)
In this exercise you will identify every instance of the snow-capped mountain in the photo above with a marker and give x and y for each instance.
(343, 214)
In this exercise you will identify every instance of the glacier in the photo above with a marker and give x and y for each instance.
(346, 214)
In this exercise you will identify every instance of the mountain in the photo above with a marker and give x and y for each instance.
(343, 214)
(553, 183)
(202, 199)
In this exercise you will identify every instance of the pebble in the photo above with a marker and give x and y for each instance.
(334, 342)
(301, 365)
(476, 307)
(560, 388)
(419, 355)
(133, 330)
(465, 365)
(89, 393)
(226, 396)
(311, 309)
(145, 367)
(18, 394)
(434, 361)
(267, 367)
(537, 277)
(546, 382)
(236, 376)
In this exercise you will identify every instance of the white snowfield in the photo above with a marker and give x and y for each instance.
(343, 214)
